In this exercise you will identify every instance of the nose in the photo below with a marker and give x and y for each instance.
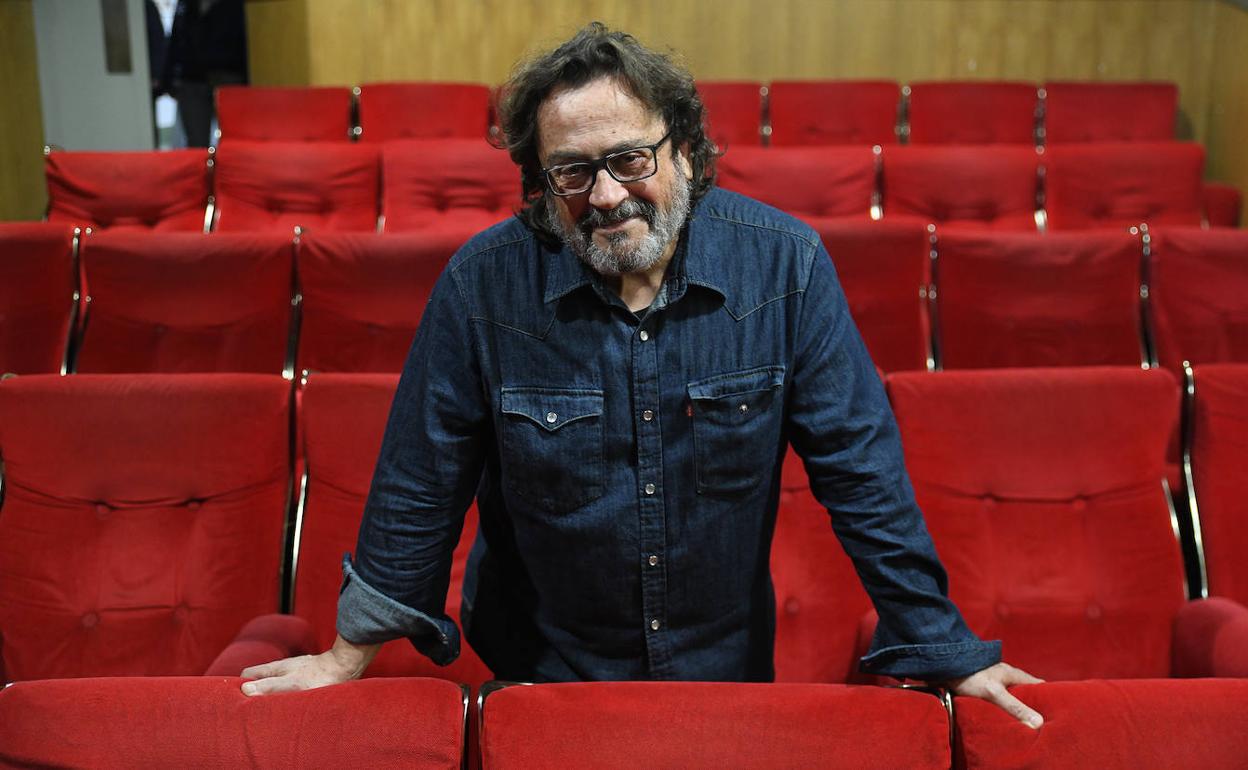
(606, 193)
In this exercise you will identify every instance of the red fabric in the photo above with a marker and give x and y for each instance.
(37, 305)
(275, 186)
(343, 417)
(391, 111)
(208, 722)
(1110, 112)
(734, 111)
(967, 186)
(1211, 639)
(1197, 283)
(1219, 459)
(1109, 725)
(699, 724)
(1222, 203)
(808, 182)
(1042, 491)
(452, 187)
(810, 112)
(264, 639)
(186, 302)
(1026, 299)
(299, 114)
(1120, 184)
(165, 190)
(885, 269)
(972, 112)
(143, 519)
(363, 296)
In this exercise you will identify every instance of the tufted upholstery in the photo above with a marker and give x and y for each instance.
(1197, 283)
(186, 302)
(142, 520)
(809, 182)
(275, 186)
(37, 305)
(299, 114)
(972, 112)
(968, 186)
(1120, 184)
(128, 190)
(1219, 457)
(1222, 204)
(821, 112)
(452, 187)
(734, 111)
(1109, 112)
(391, 111)
(1026, 299)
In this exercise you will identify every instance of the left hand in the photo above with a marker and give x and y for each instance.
(991, 683)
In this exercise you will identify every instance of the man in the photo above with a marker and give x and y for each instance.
(620, 367)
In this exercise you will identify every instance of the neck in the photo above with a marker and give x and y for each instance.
(638, 290)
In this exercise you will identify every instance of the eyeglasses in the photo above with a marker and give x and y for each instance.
(631, 165)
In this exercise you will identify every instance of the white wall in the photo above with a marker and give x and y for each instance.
(84, 106)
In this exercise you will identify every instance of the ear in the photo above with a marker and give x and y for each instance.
(685, 165)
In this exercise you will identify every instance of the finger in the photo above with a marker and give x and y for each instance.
(1019, 676)
(264, 670)
(271, 685)
(1015, 707)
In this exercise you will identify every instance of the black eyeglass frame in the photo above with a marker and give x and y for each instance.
(599, 164)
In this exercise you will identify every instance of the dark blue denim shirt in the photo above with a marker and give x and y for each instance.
(627, 465)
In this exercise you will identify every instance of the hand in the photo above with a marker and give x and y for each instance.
(342, 662)
(991, 683)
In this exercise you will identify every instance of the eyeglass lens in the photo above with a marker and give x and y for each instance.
(627, 166)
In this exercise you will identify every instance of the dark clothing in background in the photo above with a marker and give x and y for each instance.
(207, 48)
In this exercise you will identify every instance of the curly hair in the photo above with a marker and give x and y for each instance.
(654, 79)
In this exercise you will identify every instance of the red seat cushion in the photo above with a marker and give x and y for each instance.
(807, 182)
(165, 190)
(1219, 457)
(972, 112)
(1109, 112)
(276, 114)
(964, 186)
(391, 111)
(451, 187)
(1121, 184)
(734, 111)
(1222, 204)
(822, 112)
(37, 302)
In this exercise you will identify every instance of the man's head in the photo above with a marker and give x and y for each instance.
(629, 113)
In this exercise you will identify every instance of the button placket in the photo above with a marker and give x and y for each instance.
(645, 359)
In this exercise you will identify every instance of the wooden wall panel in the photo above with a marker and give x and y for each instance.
(22, 192)
(277, 43)
(1228, 110)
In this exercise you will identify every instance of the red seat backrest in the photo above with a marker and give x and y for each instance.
(971, 186)
(1219, 454)
(1109, 112)
(862, 112)
(165, 190)
(276, 114)
(734, 111)
(808, 182)
(37, 296)
(1121, 184)
(454, 187)
(391, 111)
(972, 112)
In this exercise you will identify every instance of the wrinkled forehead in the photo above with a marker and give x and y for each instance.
(589, 120)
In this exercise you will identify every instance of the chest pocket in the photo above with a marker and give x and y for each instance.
(736, 428)
(552, 448)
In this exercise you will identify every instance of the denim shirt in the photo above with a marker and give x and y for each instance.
(626, 465)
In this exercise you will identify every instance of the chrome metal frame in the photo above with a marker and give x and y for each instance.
(1041, 214)
(210, 211)
(355, 129)
(296, 311)
(1042, 109)
(764, 116)
(80, 333)
(901, 122)
(296, 537)
(935, 364)
(486, 690)
(465, 692)
(67, 357)
(1174, 527)
(876, 212)
(1187, 433)
(1148, 352)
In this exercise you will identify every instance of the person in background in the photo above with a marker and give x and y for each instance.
(207, 48)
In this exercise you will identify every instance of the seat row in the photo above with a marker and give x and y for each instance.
(420, 723)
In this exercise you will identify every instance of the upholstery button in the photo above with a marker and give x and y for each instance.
(551, 417)
(653, 561)
(180, 613)
(1003, 611)
(193, 505)
(159, 329)
(650, 489)
(645, 335)
(647, 415)
(102, 510)
(654, 624)
(792, 605)
(90, 620)
(990, 502)
(1079, 504)
(1094, 611)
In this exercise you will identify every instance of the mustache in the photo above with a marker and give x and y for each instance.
(631, 207)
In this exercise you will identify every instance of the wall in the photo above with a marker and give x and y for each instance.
(1228, 104)
(22, 194)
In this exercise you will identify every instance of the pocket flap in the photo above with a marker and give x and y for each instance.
(737, 383)
(552, 408)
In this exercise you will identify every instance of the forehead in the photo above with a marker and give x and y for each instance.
(593, 119)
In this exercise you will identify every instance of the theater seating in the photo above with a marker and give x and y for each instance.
(1109, 112)
(208, 722)
(142, 521)
(814, 183)
(822, 112)
(972, 112)
(1027, 299)
(391, 111)
(703, 724)
(1198, 280)
(962, 186)
(186, 302)
(1222, 204)
(1121, 184)
(447, 187)
(276, 186)
(734, 111)
(38, 296)
(129, 190)
(363, 296)
(300, 114)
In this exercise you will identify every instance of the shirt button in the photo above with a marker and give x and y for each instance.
(744, 408)
(647, 415)
(551, 417)
(645, 335)
(654, 624)
(649, 489)
(653, 561)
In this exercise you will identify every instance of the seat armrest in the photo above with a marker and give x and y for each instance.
(1211, 639)
(263, 639)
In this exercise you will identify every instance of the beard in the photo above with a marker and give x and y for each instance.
(618, 256)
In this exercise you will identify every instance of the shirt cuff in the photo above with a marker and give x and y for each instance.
(932, 662)
(367, 616)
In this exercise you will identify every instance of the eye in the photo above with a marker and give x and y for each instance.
(632, 160)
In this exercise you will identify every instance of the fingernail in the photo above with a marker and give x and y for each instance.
(1035, 722)
(249, 689)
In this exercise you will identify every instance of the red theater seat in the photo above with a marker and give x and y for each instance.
(963, 186)
(734, 111)
(448, 187)
(1109, 112)
(1027, 299)
(885, 270)
(165, 190)
(391, 111)
(208, 722)
(38, 296)
(1121, 184)
(275, 114)
(276, 186)
(142, 521)
(1198, 281)
(814, 183)
(363, 296)
(703, 724)
(809, 112)
(1042, 491)
(1222, 203)
(972, 112)
(186, 302)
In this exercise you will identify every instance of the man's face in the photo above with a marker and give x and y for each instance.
(613, 227)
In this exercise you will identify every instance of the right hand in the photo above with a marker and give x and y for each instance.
(341, 663)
